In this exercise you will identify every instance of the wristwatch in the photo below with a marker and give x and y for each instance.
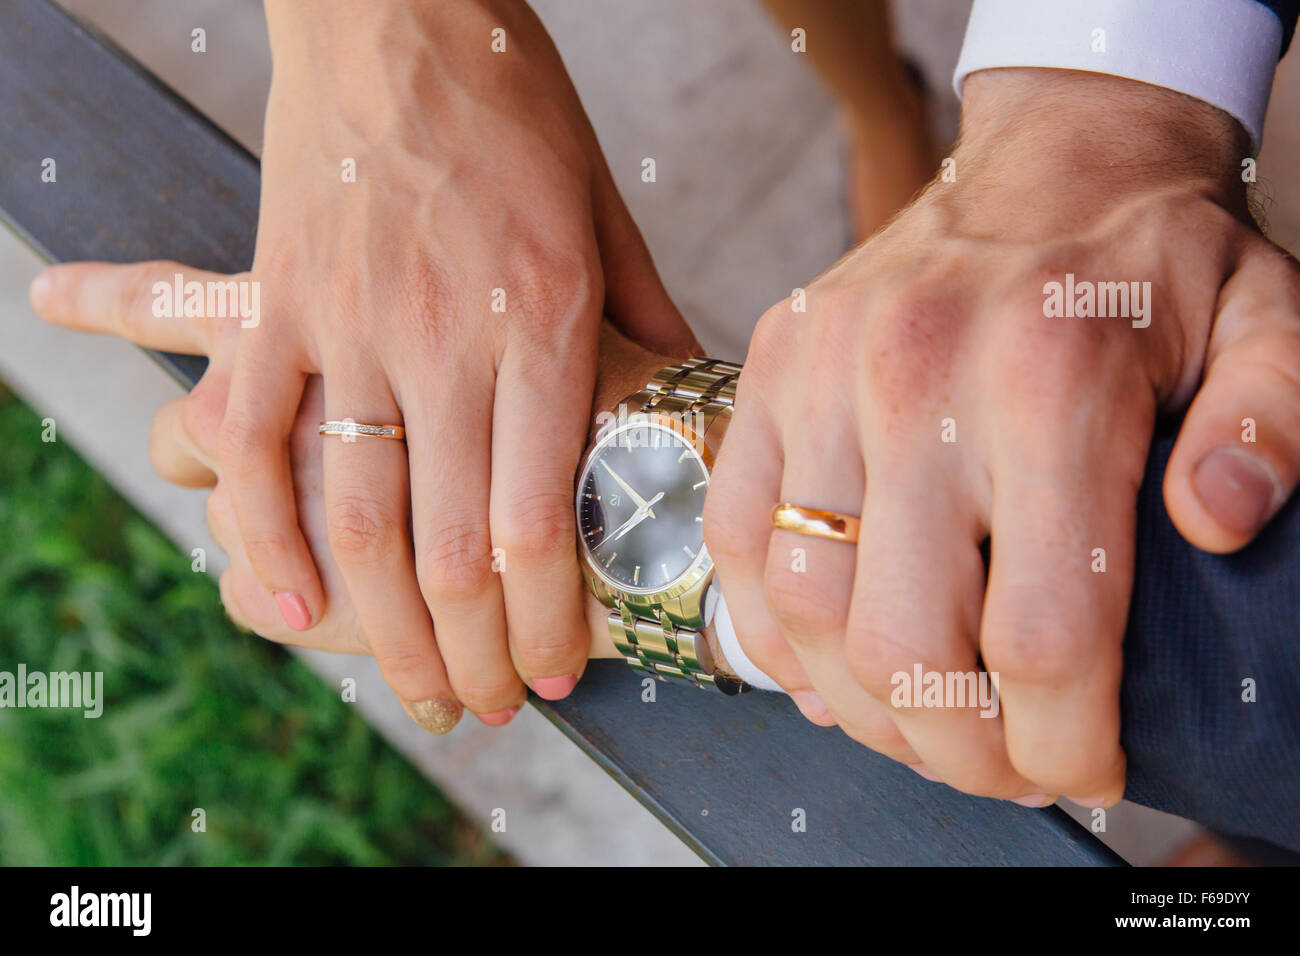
(640, 505)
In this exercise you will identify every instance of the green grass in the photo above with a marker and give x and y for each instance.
(196, 714)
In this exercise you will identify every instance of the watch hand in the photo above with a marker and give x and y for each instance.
(636, 519)
(640, 502)
(641, 513)
(618, 532)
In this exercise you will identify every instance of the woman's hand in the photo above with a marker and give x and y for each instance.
(931, 389)
(439, 236)
(183, 449)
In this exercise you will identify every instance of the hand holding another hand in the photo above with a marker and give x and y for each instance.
(931, 389)
(184, 447)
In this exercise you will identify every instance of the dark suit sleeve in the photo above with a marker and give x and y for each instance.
(1211, 698)
(1287, 11)
(1211, 692)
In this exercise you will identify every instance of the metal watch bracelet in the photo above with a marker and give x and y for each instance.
(696, 391)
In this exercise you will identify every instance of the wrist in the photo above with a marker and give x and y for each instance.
(1056, 127)
(318, 37)
(335, 51)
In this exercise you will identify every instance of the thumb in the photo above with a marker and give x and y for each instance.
(1237, 458)
(635, 298)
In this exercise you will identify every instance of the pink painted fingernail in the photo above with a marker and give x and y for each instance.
(811, 705)
(1237, 489)
(294, 610)
(1034, 800)
(39, 291)
(925, 771)
(498, 718)
(554, 688)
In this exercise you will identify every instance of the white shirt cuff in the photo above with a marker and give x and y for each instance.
(731, 649)
(1223, 52)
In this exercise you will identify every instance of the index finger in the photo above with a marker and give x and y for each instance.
(159, 305)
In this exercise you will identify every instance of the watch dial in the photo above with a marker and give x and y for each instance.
(641, 506)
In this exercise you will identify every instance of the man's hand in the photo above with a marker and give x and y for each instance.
(439, 238)
(940, 386)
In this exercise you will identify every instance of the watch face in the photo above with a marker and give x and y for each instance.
(641, 506)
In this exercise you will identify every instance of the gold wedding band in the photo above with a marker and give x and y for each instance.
(818, 524)
(350, 429)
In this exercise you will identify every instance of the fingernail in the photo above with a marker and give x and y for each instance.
(1088, 803)
(1237, 489)
(811, 705)
(437, 715)
(39, 291)
(1034, 800)
(554, 688)
(925, 771)
(499, 718)
(294, 610)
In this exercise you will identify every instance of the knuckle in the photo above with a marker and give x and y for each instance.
(538, 527)
(802, 605)
(1047, 356)
(361, 530)
(267, 548)
(1275, 359)
(1039, 403)
(240, 440)
(211, 510)
(407, 668)
(456, 563)
(550, 285)
(875, 656)
(769, 346)
(550, 652)
(1034, 647)
(217, 510)
(912, 346)
(202, 413)
(1044, 375)
(135, 298)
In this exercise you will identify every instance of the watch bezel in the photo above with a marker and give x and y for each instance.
(606, 588)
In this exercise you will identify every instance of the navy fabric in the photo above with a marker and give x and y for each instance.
(1288, 12)
(1199, 626)
(1198, 623)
